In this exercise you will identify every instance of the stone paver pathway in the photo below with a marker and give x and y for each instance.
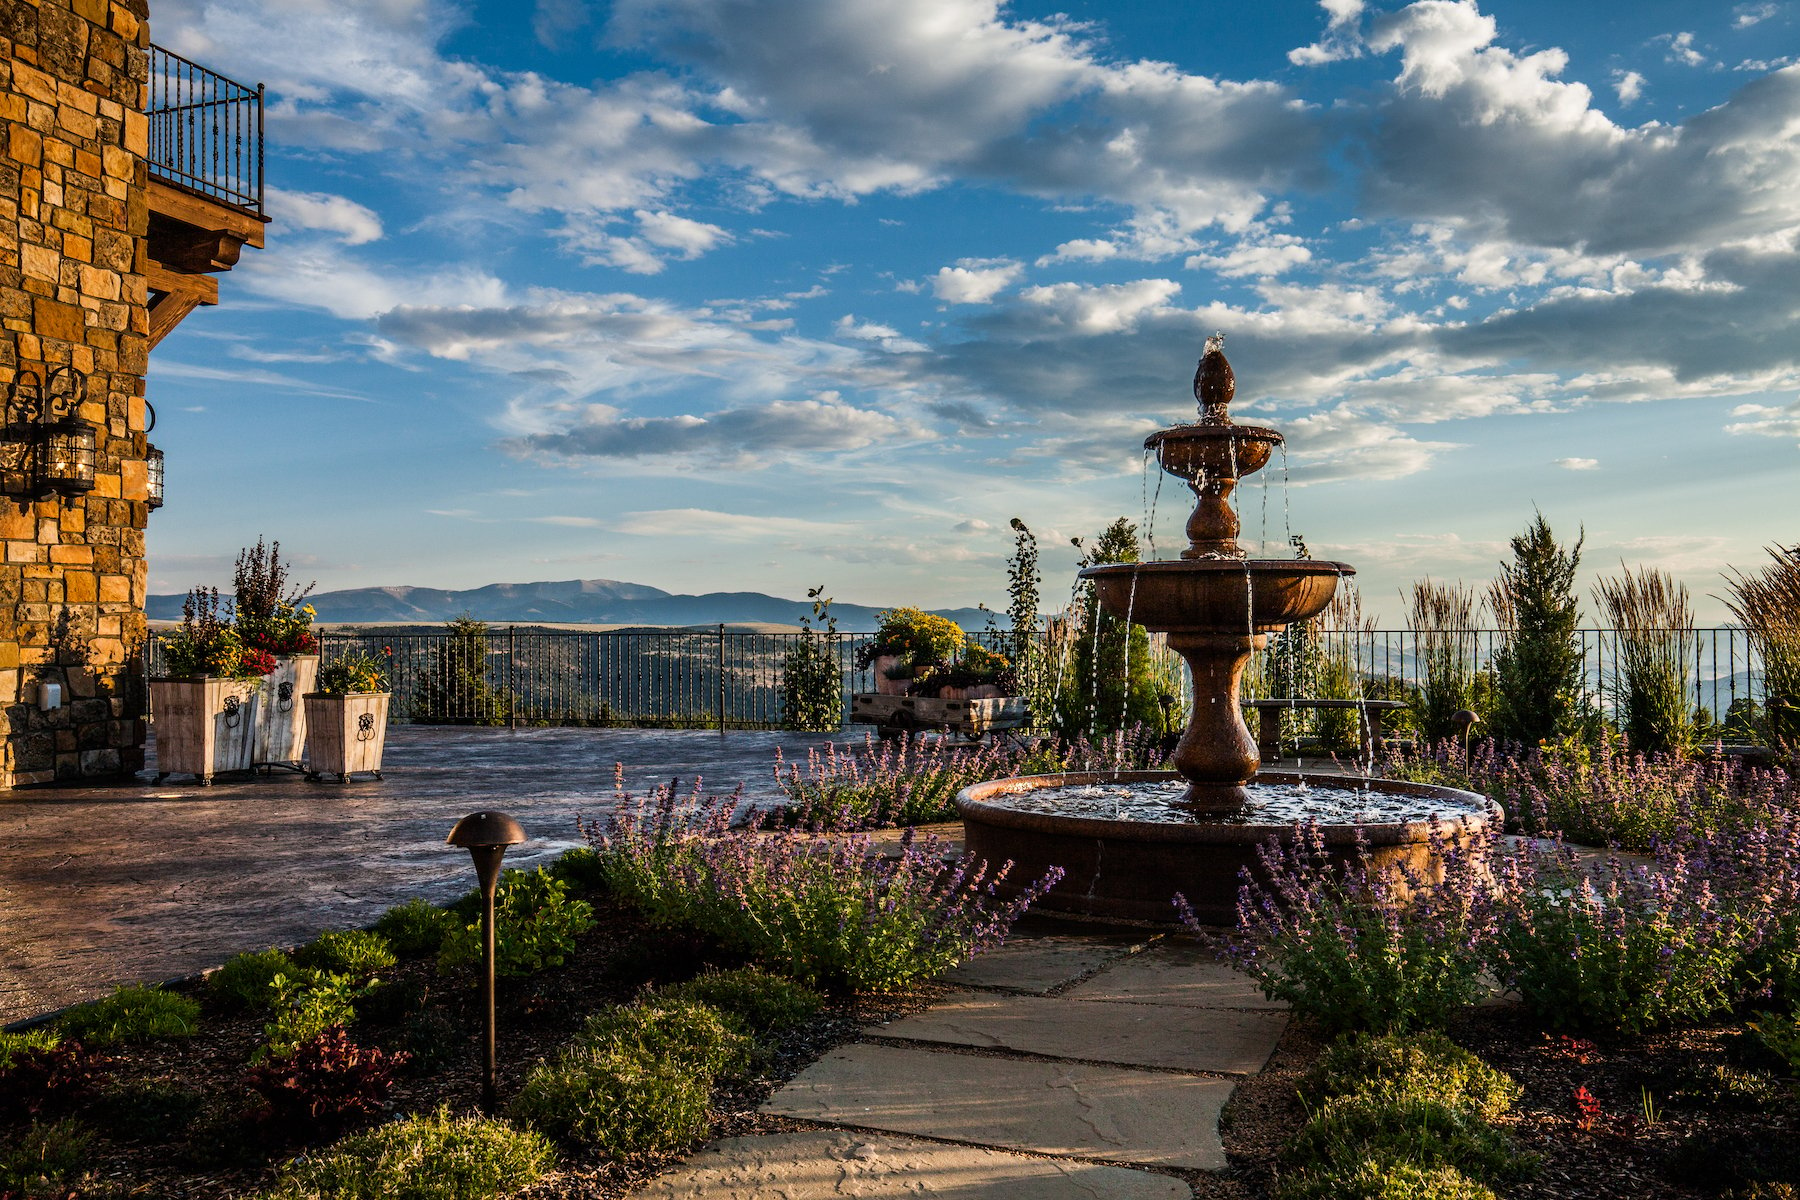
(1077, 1061)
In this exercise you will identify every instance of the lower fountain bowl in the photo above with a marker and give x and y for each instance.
(1132, 869)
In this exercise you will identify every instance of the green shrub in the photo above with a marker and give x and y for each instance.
(415, 929)
(354, 952)
(131, 1014)
(146, 1110)
(1385, 1179)
(1779, 1034)
(620, 1103)
(436, 1156)
(306, 1005)
(761, 1000)
(42, 1160)
(1419, 1066)
(11, 1044)
(579, 868)
(692, 1036)
(536, 923)
(247, 980)
(1350, 1129)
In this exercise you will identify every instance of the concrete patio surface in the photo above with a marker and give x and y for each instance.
(145, 882)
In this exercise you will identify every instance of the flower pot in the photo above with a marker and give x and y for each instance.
(204, 725)
(280, 716)
(345, 734)
(885, 686)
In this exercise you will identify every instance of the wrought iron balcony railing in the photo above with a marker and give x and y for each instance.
(206, 131)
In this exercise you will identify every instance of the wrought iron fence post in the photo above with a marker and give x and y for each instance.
(719, 662)
(512, 676)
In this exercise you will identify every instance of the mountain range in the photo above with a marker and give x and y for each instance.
(573, 602)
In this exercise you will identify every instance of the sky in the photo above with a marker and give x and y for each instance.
(773, 294)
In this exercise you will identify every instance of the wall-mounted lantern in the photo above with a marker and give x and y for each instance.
(56, 446)
(153, 463)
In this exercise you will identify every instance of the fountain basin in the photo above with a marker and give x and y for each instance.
(1130, 868)
(1223, 451)
(1210, 595)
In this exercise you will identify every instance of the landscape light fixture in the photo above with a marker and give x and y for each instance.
(54, 447)
(486, 835)
(153, 463)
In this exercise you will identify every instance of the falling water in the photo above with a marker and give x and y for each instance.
(1125, 692)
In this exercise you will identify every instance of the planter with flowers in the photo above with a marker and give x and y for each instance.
(281, 626)
(346, 719)
(204, 709)
(910, 647)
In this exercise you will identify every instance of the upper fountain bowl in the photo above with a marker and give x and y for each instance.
(1218, 595)
(1213, 451)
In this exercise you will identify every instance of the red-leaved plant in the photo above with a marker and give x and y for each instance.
(1587, 1109)
(326, 1084)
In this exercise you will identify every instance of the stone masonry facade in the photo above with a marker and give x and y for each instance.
(73, 217)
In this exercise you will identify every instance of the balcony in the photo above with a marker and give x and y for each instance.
(205, 158)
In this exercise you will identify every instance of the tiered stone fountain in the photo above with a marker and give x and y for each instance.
(1128, 841)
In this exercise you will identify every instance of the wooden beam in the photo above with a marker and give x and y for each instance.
(166, 311)
(191, 208)
(162, 278)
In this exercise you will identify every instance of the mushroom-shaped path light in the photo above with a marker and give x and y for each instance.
(486, 835)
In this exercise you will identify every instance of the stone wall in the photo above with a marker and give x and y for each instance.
(72, 572)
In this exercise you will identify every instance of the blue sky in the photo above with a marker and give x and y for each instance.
(764, 294)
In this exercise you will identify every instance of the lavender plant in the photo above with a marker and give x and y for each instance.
(883, 783)
(1369, 948)
(1615, 946)
(834, 911)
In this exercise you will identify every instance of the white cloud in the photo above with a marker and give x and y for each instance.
(1106, 308)
(1629, 85)
(1681, 49)
(1575, 464)
(1745, 15)
(1268, 255)
(354, 224)
(724, 526)
(1764, 420)
(1340, 40)
(740, 437)
(975, 281)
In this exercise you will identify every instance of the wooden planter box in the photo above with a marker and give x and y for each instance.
(970, 718)
(204, 726)
(280, 716)
(345, 734)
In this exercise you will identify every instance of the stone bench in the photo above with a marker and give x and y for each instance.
(1268, 725)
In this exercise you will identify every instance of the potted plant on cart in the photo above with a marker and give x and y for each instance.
(346, 719)
(909, 645)
(980, 674)
(204, 708)
(272, 619)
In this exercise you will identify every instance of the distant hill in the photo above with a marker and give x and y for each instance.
(574, 602)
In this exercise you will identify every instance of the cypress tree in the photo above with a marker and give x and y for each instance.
(1538, 666)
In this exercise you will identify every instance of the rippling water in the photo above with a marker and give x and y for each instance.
(1270, 804)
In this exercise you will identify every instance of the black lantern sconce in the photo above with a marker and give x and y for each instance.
(55, 447)
(153, 464)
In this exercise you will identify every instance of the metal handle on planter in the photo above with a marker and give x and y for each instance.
(284, 695)
(231, 712)
(365, 727)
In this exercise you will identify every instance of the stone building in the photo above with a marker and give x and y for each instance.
(128, 177)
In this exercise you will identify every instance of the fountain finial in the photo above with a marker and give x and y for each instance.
(1214, 384)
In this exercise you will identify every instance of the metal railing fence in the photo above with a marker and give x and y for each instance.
(206, 131)
(732, 679)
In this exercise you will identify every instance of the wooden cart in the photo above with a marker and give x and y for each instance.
(896, 716)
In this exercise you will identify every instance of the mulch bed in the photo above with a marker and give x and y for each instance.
(1718, 1118)
(209, 1144)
